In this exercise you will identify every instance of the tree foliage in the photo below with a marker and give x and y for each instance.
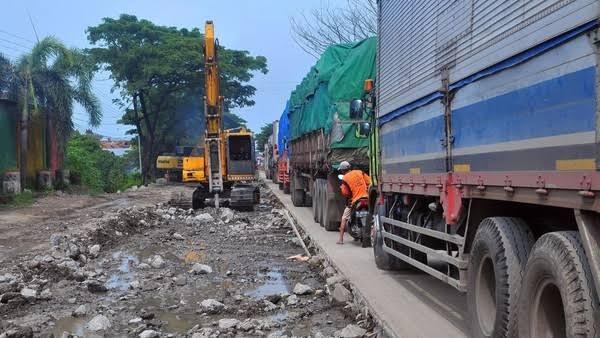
(263, 136)
(318, 29)
(159, 73)
(100, 170)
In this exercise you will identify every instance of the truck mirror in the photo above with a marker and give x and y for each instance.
(363, 129)
(356, 107)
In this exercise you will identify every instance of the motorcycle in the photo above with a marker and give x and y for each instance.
(358, 226)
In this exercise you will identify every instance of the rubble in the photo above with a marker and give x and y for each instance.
(212, 306)
(350, 331)
(99, 323)
(201, 269)
(228, 323)
(302, 289)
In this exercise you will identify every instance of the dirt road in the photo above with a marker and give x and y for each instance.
(130, 265)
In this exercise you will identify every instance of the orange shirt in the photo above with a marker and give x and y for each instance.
(355, 185)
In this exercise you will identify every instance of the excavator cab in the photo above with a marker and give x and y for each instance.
(240, 159)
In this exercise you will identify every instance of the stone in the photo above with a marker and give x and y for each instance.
(335, 280)
(204, 218)
(73, 251)
(350, 331)
(81, 311)
(274, 298)
(302, 289)
(95, 286)
(328, 271)
(135, 284)
(292, 300)
(99, 323)
(46, 294)
(56, 239)
(178, 236)
(269, 306)
(94, 250)
(180, 280)
(212, 306)
(227, 215)
(149, 334)
(340, 294)
(315, 261)
(204, 332)
(135, 320)
(143, 266)
(157, 262)
(277, 334)
(201, 269)
(19, 332)
(28, 293)
(247, 325)
(228, 323)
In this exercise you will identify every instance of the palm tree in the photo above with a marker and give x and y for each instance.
(49, 80)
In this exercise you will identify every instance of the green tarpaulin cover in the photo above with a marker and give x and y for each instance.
(325, 93)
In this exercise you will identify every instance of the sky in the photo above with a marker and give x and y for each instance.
(261, 27)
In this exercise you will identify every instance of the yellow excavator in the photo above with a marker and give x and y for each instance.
(229, 170)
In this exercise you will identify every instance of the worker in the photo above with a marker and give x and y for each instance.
(354, 186)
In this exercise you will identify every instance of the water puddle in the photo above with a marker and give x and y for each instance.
(71, 325)
(124, 276)
(178, 322)
(274, 285)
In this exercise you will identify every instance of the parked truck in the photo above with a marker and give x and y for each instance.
(487, 119)
(320, 132)
(283, 162)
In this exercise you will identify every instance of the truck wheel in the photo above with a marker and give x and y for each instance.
(321, 200)
(297, 194)
(558, 297)
(315, 201)
(329, 223)
(384, 260)
(498, 257)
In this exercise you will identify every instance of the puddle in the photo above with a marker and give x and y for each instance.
(121, 279)
(274, 285)
(178, 322)
(72, 325)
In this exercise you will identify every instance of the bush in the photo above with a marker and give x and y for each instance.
(99, 170)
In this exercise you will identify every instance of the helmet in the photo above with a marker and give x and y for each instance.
(345, 165)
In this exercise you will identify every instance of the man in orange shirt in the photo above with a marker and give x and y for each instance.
(354, 186)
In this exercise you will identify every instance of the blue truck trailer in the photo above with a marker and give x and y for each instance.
(489, 127)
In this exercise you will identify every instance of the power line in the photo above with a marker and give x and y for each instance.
(13, 48)
(15, 43)
(16, 36)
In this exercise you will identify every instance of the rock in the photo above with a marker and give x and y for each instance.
(56, 239)
(204, 218)
(269, 306)
(19, 332)
(227, 215)
(274, 298)
(277, 334)
(161, 181)
(81, 311)
(94, 250)
(315, 261)
(247, 324)
(292, 300)
(212, 306)
(46, 294)
(340, 294)
(328, 271)
(135, 284)
(302, 289)
(178, 236)
(201, 269)
(180, 280)
(171, 211)
(143, 266)
(73, 251)
(96, 287)
(204, 332)
(157, 262)
(228, 323)
(28, 293)
(350, 331)
(149, 334)
(99, 323)
(4, 298)
(135, 320)
(335, 280)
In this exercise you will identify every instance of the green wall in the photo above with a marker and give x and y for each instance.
(8, 137)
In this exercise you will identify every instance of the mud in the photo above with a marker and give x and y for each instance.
(146, 274)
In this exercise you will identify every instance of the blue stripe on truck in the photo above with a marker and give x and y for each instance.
(420, 138)
(508, 63)
(562, 105)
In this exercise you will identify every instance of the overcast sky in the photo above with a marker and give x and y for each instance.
(259, 26)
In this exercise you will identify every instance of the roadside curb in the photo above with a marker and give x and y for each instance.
(383, 329)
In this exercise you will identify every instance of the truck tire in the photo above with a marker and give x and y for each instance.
(497, 261)
(321, 200)
(328, 222)
(315, 201)
(297, 194)
(384, 260)
(558, 297)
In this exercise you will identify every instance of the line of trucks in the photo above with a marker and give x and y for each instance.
(479, 124)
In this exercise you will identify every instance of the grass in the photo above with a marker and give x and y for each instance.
(23, 199)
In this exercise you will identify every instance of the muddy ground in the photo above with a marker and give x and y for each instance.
(131, 265)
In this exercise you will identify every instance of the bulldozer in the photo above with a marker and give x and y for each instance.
(229, 173)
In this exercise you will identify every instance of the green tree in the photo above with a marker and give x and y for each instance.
(159, 73)
(47, 81)
(263, 136)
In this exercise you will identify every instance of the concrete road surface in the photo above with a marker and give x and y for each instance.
(409, 304)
